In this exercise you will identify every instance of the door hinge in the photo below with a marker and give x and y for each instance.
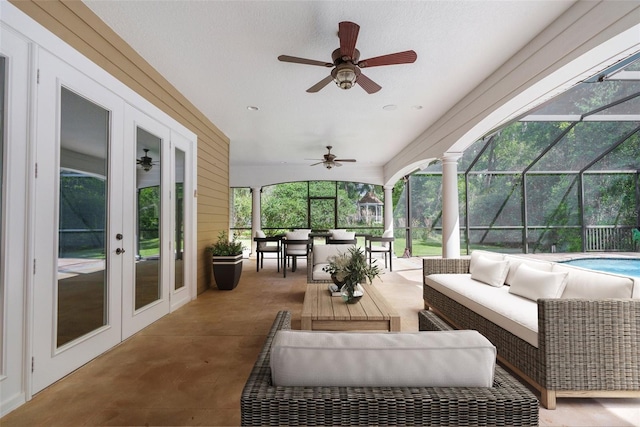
(195, 194)
(36, 170)
(38, 76)
(34, 266)
(33, 364)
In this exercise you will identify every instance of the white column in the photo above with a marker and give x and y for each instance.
(450, 214)
(255, 215)
(388, 207)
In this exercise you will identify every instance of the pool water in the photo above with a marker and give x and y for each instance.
(623, 266)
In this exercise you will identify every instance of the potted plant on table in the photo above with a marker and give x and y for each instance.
(226, 257)
(348, 270)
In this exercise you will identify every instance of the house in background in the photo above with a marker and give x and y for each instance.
(91, 89)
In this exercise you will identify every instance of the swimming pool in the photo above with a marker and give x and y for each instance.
(624, 266)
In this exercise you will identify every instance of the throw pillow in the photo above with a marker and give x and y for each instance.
(476, 254)
(490, 271)
(535, 284)
(343, 235)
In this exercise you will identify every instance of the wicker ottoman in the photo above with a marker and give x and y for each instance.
(507, 403)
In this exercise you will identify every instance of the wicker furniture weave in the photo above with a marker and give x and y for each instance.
(508, 403)
(587, 348)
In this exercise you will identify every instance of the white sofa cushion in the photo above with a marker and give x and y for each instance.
(533, 284)
(515, 261)
(511, 312)
(489, 271)
(320, 258)
(477, 254)
(322, 253)
(343, 359)
(583, 283)
(319, 274)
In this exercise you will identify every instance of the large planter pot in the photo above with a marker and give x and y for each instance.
(227, 271)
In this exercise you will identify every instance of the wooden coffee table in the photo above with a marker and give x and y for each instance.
(321, 311)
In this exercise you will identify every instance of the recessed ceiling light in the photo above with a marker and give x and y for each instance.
(252, 108)
(390, 107)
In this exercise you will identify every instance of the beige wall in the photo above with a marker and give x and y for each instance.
(78, 26)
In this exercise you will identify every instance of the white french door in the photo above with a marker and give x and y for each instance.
(107, 250)
(78, 266)
(146, 290)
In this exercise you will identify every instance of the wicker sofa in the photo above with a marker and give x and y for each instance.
(507, 403)
(586, 347)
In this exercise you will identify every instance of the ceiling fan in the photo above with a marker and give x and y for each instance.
(347, 64)
(329, 160)
(145, 161)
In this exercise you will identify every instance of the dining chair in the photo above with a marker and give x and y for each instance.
(384, 245)
(265, 244)
(294, 245)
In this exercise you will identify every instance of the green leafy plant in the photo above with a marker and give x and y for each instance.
(225, 247)
(352, 268)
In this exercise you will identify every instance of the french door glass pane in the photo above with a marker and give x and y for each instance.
(178, 247)
(148, 287)
(82, 219)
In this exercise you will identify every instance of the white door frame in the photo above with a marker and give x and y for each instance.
(15, 285)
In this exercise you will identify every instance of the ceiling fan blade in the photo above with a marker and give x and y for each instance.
(322, 83)
(405, 57)
(344, 160)
(367, 84)
(296, 60)
(348, 34)
(336, 164)
(319, 163)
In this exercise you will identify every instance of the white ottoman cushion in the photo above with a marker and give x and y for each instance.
(422, 359)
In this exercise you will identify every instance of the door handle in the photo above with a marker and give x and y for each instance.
(120, 251)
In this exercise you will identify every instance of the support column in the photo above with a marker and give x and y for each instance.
(255, 215)
(450, 212)
(388, 207)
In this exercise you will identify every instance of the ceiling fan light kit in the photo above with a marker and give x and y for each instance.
(145, 161)
(346, 62)
(344, 76)
(330, 161)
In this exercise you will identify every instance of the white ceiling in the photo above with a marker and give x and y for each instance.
(222, 55)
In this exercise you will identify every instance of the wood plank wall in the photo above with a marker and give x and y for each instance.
(79, 27)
